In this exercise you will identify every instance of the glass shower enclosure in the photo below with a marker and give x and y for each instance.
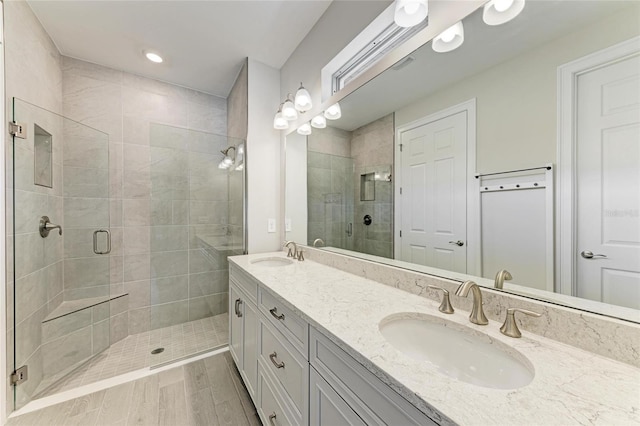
(59, 245)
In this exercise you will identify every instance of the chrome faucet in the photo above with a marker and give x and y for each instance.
(477, 315)
(502, 275)
(290, 253)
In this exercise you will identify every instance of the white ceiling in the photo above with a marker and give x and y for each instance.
(203, 43)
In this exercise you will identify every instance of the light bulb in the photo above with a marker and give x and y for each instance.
(502, 5)
(410, 12)
(153, 57)
(289, 110)
(279, 122)
(303, 99)
(304, 129)
(319, 122)
(450, 39)
(498, 12)
(411, 8)
(448, 35)
(333, 112)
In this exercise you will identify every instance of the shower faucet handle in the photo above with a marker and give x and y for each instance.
(46, 226)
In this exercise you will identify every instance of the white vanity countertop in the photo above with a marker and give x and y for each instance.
(571, 386)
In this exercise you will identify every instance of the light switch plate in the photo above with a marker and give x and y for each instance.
(271, 225)
(287, 225)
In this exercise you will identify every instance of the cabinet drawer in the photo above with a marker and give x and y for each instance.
(271, 407)
(327, 407)
(286, 365)
(374, 401)
(295, 329)
(246, 282)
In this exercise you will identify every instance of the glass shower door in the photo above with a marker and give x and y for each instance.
(59, 247)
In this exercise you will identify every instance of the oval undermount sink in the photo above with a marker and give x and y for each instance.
(271, 261)
(458, 351)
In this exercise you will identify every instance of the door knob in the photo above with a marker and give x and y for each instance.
(589, 255)
(459, 243)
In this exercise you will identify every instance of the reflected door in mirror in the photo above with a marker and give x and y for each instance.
(608, 172)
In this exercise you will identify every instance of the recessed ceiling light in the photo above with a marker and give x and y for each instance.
(153, 57)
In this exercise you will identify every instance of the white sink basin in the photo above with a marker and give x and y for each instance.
(458, 351)
(271, 261)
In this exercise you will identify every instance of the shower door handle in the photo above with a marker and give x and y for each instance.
(95, 241)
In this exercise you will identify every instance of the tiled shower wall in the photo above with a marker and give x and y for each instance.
(37, 78)
(336, 156)
(124, 106)
(372, 152)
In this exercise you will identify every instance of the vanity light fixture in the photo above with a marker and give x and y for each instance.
(498, 12)
(303, 99)
(279, 122)
(333, 112)
(153, 57)
(450, 39)
(289, 111)
(304, 129)
(319, 122)
(409, 13)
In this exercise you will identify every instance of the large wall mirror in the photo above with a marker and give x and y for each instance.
(519, 150)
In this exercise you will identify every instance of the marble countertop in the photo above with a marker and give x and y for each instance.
(571, 386)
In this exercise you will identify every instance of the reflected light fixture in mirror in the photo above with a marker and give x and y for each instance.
(289, 111)
(450, 39)
(279, 122)
(304, 129)
(409, 13)
(319, 122)
(227, 161)
(498, 12)
(303, 99)
(333, 112)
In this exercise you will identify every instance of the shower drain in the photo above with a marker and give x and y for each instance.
(157, 351)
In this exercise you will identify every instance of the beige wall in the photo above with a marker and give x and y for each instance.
(264, 173)
(516, 100)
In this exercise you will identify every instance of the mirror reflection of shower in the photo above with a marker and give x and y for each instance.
(233, 158)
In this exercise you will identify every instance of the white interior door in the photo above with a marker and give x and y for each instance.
(608, 183)
(433, 197)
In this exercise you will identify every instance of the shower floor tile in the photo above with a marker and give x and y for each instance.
(134, 352)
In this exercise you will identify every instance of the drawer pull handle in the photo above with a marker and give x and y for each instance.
(272, 417)
(274, 312)
(272, 357)
(238, 313)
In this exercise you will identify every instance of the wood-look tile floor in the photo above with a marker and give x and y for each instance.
(134, 352)
(205, 392)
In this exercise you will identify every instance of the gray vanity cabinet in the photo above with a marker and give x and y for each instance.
(326, 406)
(243, 332)
(298, 376)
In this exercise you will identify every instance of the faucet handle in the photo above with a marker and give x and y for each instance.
(510, 327)
(445, 305)
(300, 255)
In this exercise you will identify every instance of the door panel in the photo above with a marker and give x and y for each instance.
(608, 183)
(433, 196)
